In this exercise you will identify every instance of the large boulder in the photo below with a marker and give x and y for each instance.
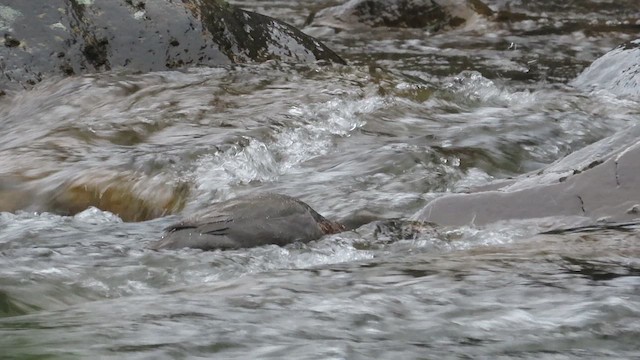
(618, 71)
(66, 37)
(599, 182)
(432, 14)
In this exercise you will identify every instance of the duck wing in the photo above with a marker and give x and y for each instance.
(205, 235)
(246, 222)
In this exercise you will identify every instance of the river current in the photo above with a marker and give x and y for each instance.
(415, 115)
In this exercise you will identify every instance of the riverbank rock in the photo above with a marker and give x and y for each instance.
(599, 182)
(432, 14)
(617, 71)
(66, 37)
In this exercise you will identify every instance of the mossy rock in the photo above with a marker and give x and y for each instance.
(66, 37)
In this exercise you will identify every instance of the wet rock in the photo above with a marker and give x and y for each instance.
(66, 37)
(617, 71)
(131, 197)
(599, 182)
(398, 229)
(432, 14)
(268, 219)
(9, 306)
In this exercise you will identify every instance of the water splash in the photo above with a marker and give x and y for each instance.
(471, 87)
(311, 131)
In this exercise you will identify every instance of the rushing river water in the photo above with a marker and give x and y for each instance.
(415, 115)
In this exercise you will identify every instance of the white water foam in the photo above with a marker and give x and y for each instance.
(311, 131)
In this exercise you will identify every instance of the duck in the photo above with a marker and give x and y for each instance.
(249, 221)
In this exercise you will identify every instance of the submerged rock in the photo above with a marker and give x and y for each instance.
(432, 14)
(66, 37)
(599, 182)
(10, 306)
(130, 196)
(617, 71)
(247, 222)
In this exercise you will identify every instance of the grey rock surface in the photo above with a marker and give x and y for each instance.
(600, 182)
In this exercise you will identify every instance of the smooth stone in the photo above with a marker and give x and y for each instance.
(598, 182)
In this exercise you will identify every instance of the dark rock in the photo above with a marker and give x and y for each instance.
(10, 306)
(63, 37)
(432, 14)
(391, 230)
(269, 219)
(617, 71)
(380, 234)
(599, 182)
(10, 41)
